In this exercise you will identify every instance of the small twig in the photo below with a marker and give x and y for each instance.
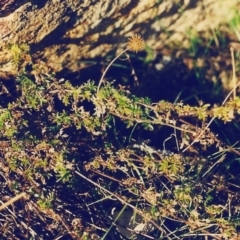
(133, 73)
(229, 208)
(220, 160)
(106, 176)
(155, 121)
(213, 118)
(12, 200)
(172, 135)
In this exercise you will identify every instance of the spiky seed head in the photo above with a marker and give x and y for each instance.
(136, 43)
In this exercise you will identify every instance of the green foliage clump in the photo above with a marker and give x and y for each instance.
(72, 149)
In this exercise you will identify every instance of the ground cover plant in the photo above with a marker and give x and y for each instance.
(73, 165)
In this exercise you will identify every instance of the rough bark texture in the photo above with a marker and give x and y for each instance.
(64, 32)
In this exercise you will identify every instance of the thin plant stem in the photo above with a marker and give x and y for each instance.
(234, 79)
(109, 65)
